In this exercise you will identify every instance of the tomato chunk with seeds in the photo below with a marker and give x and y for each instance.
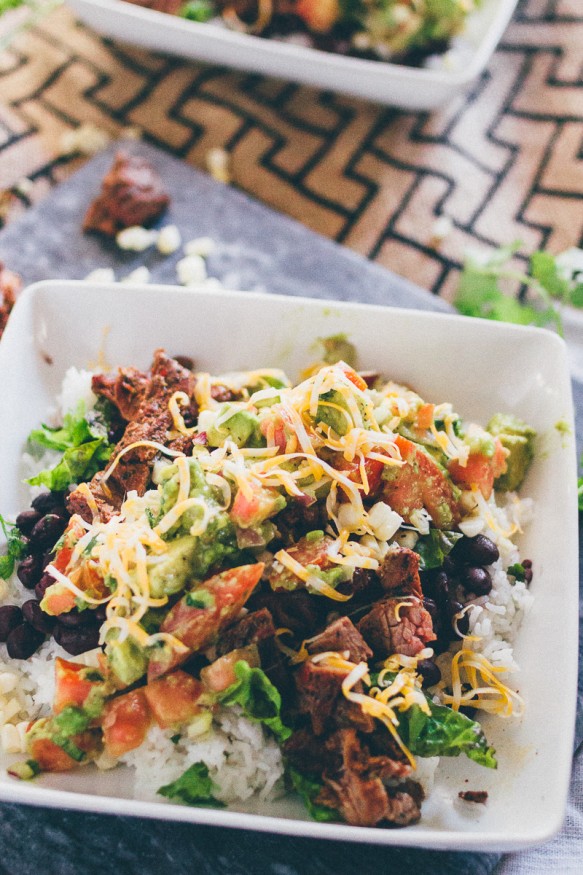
(307, 551)
(480, 470)
(199, 616)
(125, 723)
(420, 483)
(72, 684)
(373, 470)
(173, 699)
(51, 757)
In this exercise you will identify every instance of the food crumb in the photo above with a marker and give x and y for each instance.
(24, 187)
(218, 162)
(133, 132)
(203, 246)
(137, 277)
(191, 270)
(442, 228)
(169, 240)
(136, 238)
(87, 139)
(477, 796)
(100, 275)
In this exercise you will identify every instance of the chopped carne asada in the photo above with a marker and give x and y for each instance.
(131, 194)
(241, 554)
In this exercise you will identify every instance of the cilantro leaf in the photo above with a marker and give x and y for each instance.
(15, 548)
(480, 293)
(549, 278)
(516, 571)
(257, 696)
(193, 787)
(445, 732)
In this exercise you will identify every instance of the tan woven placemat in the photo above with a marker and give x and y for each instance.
(503, 162)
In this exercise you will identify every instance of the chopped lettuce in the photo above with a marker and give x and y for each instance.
(434, 547)
(84, 446)
(193, 787)
(445, 732)
(308, 788)
(259, 699)
(77, 464)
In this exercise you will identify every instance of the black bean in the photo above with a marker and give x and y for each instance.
(449, 565)
(33, 614)
(77, 640)
(479, 550)
(47, 531)
(23, 641)
(43, 584)
(73, 619)
(27, 520)
(100, 613)
(431, 608)
(10, 618)
(476, 580)
(527, 565)
(30, 571)
(48, 557)
(442, 586)
(429, 671)
(48, 502)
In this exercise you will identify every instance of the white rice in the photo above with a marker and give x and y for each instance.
(242, 760)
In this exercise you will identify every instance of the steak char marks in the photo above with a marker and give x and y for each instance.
(144, 399)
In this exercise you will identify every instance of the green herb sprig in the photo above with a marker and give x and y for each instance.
(549, 279)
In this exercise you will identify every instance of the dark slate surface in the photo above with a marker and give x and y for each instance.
(258, 248)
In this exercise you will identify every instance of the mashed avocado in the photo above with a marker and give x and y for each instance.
(517, 437)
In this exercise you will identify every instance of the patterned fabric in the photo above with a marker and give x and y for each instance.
(503, 162)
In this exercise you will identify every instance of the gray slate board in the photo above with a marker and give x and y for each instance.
(258, 248)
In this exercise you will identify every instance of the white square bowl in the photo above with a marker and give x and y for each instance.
(482, 368)
(383, 82)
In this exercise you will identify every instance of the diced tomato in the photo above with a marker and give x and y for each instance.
(173, 699)
(306, 552)
(58, 600)
(373, 470)
(480, 471)
(52, 758)
(200, 615)
(273, 430)
(319, 15)
(420, 483)
(221, 673)
(71, 685)
(248, 511)
(425, 416)
(126, 720)
(72, 534)
(350, 373)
